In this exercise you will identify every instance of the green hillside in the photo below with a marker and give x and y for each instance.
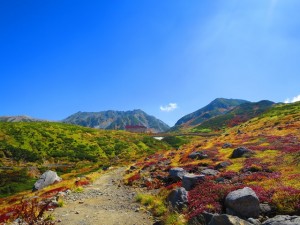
(236, 116)
(217, 107)
(29, 148)
(40, 141)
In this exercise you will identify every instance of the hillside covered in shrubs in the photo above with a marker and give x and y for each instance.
(261, 155)
(29, 148)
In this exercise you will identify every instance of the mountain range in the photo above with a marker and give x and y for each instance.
(235, 116)
(218, 114)
(116, 120)
(18, 119)
(217, 107)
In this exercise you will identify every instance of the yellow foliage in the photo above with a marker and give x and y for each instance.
(237, 165)
(285, 202)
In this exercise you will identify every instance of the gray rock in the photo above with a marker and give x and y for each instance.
(265, 209)
(198, 155)
(240, 152)
(220, 180)
(189, 180)
(68, 191)
(46, 179)
(243, 203)
(178, 198)
(226, 145)
(210, 172)
(201, 219)
(222, 165)
(283, 220)
(225, 219)
(254, 221)
(176, 173)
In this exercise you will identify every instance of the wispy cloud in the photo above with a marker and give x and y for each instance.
(294, 99)
(168, 108)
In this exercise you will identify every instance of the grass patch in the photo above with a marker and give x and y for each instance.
(236, 166)
(175, 219)
(153, 203)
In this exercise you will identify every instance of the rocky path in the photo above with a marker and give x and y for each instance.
(106, 202)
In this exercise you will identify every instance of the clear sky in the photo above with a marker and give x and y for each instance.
(58, 57)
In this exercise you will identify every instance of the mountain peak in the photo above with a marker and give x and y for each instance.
(19, 118)
(216, 107)
(117, 120)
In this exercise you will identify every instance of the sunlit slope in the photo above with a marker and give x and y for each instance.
(40, 141)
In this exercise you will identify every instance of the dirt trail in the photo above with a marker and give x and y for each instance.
(106, 202)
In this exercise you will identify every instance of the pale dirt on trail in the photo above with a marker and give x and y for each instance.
(106, 202)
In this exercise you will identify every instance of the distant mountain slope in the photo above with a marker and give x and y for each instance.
(116, 120)
(216, 107)
(18, 119)
(236, 116)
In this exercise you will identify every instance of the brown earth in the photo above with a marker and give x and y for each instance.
(106, 202)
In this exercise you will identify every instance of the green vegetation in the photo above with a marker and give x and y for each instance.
(236, 116)
(36, 144)
(176, 141)
(282, 110)
(153, 203)
(14, 180)
(217, 107)
(40, 141)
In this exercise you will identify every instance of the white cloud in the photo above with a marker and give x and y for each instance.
(168, 108)
(294, 99)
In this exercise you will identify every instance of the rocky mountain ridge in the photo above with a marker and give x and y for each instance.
(217, 107)
(116, 120)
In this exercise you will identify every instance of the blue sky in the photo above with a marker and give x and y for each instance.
(58, 57)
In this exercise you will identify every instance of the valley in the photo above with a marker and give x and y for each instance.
(184, 177)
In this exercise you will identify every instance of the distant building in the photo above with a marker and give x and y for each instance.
(136, 128)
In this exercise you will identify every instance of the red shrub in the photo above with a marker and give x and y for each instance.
(255, 164)
(262, 194)
(148, 164)
(82, 182)
(174, 185)
(53, 192)
(259, 176)
(229, 175)
(133, 178)
(207, 196)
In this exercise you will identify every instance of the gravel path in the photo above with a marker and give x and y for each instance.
(106, 202)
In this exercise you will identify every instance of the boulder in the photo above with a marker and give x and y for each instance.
(189, 180)
(222, 165)
(198, 155)
(46, 179)
(283, 220)
(243, 203)
(254, 221)
(201, 219)
(176, 173)
(178, 198)
(225, 219)
(210, 172)
(265, 209)
(226, 145)
(240, 152)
